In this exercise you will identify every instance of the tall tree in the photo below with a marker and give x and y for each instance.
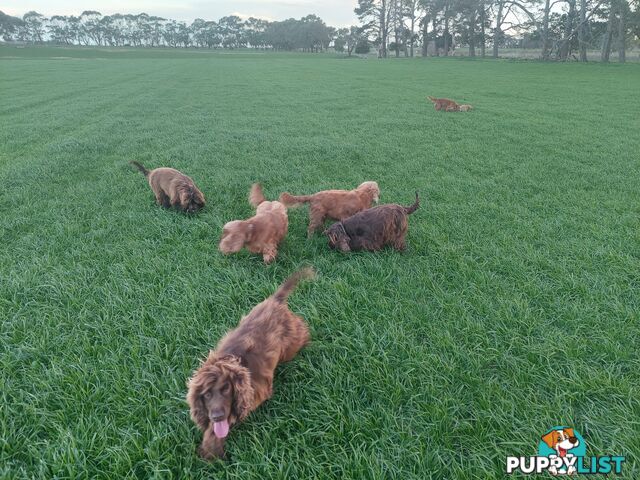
(467, 22)
(582, 31)
(61, 30)
(255, 28)
(10, 26)
(411, 12)
(608, 35)
(546, 43)
(347, 39)
(35, 26)
(622, 30)
(231, 29)
(447, 35)
(91, 25)
(508, 16)
(396, 22)
(426, 7)
(565, 45)
(424, 24)
(375, 16)
(482, 8)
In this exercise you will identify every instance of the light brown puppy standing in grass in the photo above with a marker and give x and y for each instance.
(238, 376)
(334, 204)
(261, 233)
(173, 188)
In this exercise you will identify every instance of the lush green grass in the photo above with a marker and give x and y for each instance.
(514, 309)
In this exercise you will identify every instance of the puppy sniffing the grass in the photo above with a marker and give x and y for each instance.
(261, 233)
(334, 204)
(173, 188)
(444, 104)
(238, 376)
(448, 105)
(372, 229)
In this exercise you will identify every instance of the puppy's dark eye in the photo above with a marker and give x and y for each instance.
(207, 395)
(225, 388)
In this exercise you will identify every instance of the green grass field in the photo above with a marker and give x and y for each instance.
(515, 308)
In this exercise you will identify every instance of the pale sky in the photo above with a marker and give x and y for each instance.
(336, 13)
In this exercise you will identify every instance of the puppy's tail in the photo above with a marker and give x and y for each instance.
(140, 167)
(414, 207)
(290, 284)
(294, 200)
(433, 99)
(256, 197)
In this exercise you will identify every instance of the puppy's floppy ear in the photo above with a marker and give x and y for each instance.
(197, 408)
(343, 245)
(199, 198)
(550, 438)
(243, 393)
(185, 196)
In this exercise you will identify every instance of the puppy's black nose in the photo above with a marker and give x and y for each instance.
(217, 416)
(573, 439)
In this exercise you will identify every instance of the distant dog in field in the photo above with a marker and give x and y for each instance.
(173, 188)
(261, 233)
(448, 105)
(444, 104)
(238, 376)
(334, 204)
(372, 229)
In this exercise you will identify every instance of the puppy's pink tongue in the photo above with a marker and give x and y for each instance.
(221, 429)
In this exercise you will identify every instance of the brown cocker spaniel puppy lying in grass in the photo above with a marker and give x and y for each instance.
(173, 188)
(261, 233)
(238, 376)
(372, 229)
(334, 204)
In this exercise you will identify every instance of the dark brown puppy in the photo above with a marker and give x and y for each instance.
(372, 229)
(238, 376)
(173, 188)
(334, 204)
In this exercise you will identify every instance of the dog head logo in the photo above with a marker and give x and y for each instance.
(562, 442)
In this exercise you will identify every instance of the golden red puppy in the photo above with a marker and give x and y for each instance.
(334, 204)
(261, 233)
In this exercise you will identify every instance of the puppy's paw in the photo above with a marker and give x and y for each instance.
(210, 455)
(268, 258)
(204, 453)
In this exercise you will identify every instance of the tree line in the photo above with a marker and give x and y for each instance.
(559, 29)
(309, 33)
